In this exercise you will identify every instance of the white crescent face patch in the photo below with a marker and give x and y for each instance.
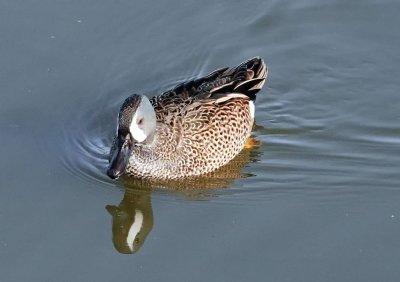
(143, 122)
(137, 133)
(134, 229)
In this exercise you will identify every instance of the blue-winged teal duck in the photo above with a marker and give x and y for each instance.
(193, 129)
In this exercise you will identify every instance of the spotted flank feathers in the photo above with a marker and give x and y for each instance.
(193, 129)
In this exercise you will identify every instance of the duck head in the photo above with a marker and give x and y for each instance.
(136, 125)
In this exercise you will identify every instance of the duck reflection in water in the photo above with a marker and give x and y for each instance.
(132, 219)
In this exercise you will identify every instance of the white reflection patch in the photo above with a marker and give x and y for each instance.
(135, 229)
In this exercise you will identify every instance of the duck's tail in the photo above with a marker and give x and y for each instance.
(249, 77)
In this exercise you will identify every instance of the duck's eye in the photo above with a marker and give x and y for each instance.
(140, 121)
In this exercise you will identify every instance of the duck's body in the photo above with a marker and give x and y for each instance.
(200, 125)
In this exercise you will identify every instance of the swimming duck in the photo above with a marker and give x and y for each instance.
(193, 129)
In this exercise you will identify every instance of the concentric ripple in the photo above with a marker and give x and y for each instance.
(83, 142)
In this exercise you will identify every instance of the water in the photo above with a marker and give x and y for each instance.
(315, 200)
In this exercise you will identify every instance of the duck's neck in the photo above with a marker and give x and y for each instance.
(150, 140)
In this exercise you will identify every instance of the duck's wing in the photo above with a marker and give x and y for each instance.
(246, 79)
(172, 102)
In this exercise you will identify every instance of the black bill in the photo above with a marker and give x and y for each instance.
(120, 157)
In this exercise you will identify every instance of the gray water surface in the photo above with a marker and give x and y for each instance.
(317, 199)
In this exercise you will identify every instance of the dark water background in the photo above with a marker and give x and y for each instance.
(321, 202)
